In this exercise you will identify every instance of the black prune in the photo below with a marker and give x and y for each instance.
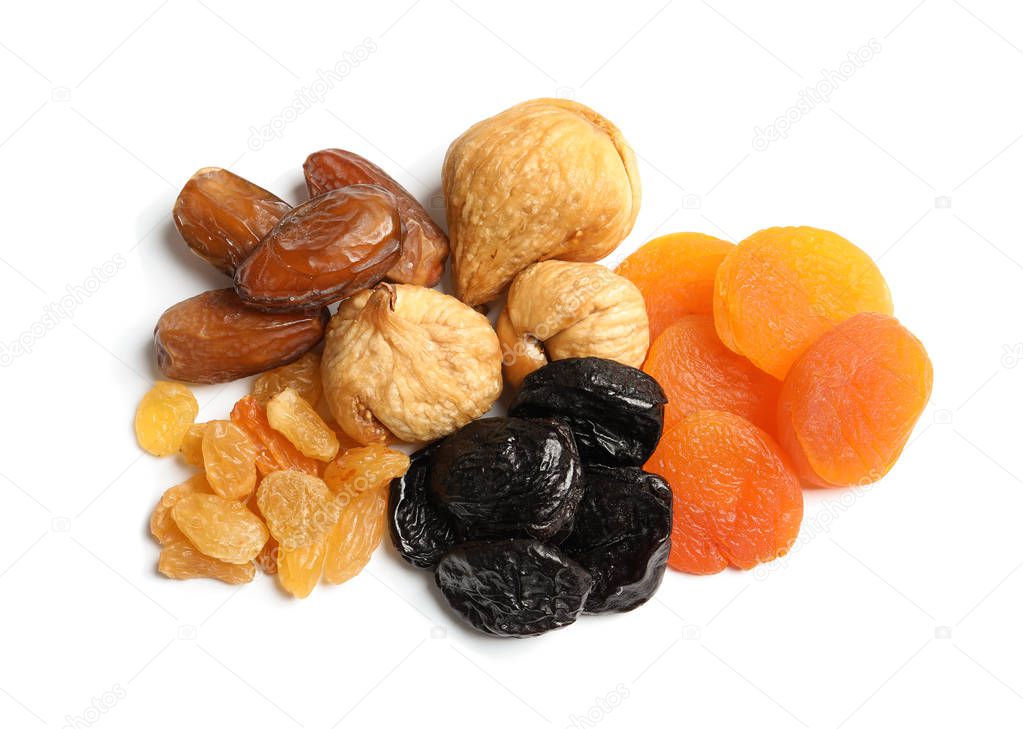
(513, 587)
(421, 529)
(621, 535)
(616, 412)
(508, 477)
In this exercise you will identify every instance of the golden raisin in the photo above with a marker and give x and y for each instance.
(161, 525)
(163, 417)
(191, 446)
(180, 560)
(298, 508)
(302, 375)
(299, 568)
(219, 527)
(292, 416)
(229, 456)
(364, 468)
(275, 451)
(356, 535)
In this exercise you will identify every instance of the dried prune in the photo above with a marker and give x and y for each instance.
(424, 248)
(615, 412)
(215, 337)
(514, 587)
(324, 250)
(621, 535)
(508, 477)
(421, 529)
(222, 216)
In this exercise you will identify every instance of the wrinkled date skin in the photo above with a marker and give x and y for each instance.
(621, 535)
(324, 250)
(222, 216)
(425, 247)
(215, 337)
(616, 412)
(508, 477)
(421, 529)
(513, 588)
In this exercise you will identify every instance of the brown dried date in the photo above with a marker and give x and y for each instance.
(425, 247)
(215, 337)
(222, 216)
(326, 249)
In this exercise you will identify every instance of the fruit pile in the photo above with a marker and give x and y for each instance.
(667, 413)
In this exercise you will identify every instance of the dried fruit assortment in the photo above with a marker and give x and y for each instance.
(665, 414)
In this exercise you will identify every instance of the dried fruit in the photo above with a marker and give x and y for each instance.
(850, 402)
(363, 469)
(179, 560)
(220, 528)
(737, 501)
(298, 508)
(548, 178)
(229, 457)
(191, 444)
(558, 310)
(514, 588)
(421, 529)
(782, 288)
(214, 337)
(275, 452)
(508, 477)
(161, 524)
(424, 247)
(289, 414)
(358, 532)
(675, 274)
(410, 362)
(302, 375)
(299, 568)
(222, 217)
(698, 372)
(615, 412)
(163, 417)
(324, 250)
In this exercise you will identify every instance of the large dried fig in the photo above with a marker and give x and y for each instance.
(326, 249)
(548, 178)
(424, 248)
(215, 337)
(410, 362)
(557, 310)
(222, 216)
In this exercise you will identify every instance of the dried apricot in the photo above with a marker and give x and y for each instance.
(229, 456)
(299, 568)
(299, 509)
(191, 444)
(782, 288)
(675, 274)
(737, 500)
(850, 402)
(298, 421)
(180, 560)
(302, 375)
(275, 452)
(161, 524)
(356, 535)
(698, 372)
(220, 528)
(363, 469)
(163, 417)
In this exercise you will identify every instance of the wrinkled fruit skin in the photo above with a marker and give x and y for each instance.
(355, 537)
(548, 178)
(421, 529)
(425, 246)
(275, 452)
(324, 250)
(214, 337)
(164, 416)
(220, 528)
(513, 588)
(621, 536)
(302, 375)
(296, 419)
(222, 217)
(615, 412)
(229, 459)
(508, 477)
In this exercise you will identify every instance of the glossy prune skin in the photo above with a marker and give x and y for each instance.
(621, 535)
(615, 412)
(421, 530)
(216, 337)
(326, 249)
(503, 477)
(513, 588)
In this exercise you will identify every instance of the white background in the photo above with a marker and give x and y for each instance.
(901, 603)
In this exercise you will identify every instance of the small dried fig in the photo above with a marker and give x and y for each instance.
(324, 250)
(215, 337)
(557, 310)
(424, 248)
(410, 362)
(222, 216)
(548, 178)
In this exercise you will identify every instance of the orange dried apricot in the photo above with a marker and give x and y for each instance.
(163, 417)
(229, 457)
(276, 453)
(698, 372)
(675, 274)
(302, 375)
(782, 288)
(851, 400)
(737, 500)
(299, 422)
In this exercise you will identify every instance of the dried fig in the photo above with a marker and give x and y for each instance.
(324, 250)
(408, 361)
(560, 310)
(548, 178)
(215, 337)
(424, 248)
(222, 216)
